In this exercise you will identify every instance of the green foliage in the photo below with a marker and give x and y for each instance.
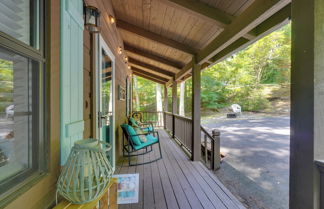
(146, 93)
(6, 84)
(238, 79)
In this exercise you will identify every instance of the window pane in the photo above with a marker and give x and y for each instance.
(20, 19)
(17, 140)
(106, 95)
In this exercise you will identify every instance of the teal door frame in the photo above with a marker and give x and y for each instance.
(101, 45)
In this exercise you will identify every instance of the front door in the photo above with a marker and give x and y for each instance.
(106, 97)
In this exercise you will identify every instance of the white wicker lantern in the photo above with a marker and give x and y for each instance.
(86, 173)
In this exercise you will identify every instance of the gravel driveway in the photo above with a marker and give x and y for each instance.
(256, 166)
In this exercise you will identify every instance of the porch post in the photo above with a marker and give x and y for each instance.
(196, 141)
(174, 105)
(307, 99)
(174, 98)
(165, 104)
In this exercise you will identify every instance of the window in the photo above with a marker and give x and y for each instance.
(22, 99)
(20, 20)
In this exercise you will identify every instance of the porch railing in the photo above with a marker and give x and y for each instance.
(155, 117)
(211, 148)
(181, 129)
(168, 125)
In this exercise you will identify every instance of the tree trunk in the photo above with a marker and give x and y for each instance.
(182, 97)
(137, 101)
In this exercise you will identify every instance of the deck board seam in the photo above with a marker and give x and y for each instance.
(205, 204)
(224, 189)
(227, 202)
(188, 184)
(176, 182)
(207, 194)
(209, 173)
(176, 177)
(159, 182)
(164, 186)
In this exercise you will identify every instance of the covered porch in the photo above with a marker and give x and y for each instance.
(175, 181)
(165, 41)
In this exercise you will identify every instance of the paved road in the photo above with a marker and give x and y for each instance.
(256, 166)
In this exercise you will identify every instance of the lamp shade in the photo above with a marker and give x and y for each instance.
(86, 173)
(92, 19)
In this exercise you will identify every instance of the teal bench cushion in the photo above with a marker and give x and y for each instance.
(133, 122)
(150, 140)
(131, 131)
(148, 129)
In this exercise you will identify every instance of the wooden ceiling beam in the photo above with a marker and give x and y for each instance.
(135, 69)
(231, 49)
(151, 67)
(274, 22)
(249, 19)
(185, 70)
(153, 57)
(271, 24)
(155, 37)
(149, 78)
(250, 36)
(267, 26)
(106, 78)
(220, 18)
(169, 83)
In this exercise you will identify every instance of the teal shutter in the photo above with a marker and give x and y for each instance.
(72, 124)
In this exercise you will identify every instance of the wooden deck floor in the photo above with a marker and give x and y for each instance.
(176, 182)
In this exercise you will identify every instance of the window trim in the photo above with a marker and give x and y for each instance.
(20, 47)
(15, 44)
(39, 137)
(20, 188)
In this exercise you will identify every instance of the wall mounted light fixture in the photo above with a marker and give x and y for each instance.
(112, 19)
(92, 19)
(119, 50)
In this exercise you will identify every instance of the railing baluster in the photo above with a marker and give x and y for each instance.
(181, 129)
(212, 155)
(206, 148)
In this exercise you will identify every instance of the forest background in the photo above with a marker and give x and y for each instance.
(252, 78)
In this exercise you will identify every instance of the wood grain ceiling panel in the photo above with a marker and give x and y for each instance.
(143, 72)
(168, 64)
(151, 67)
(148, 77)
(243, 7)
(231, 7)
(166, 20)
(155, 57)
(150, 71)
(155, 47)
(151, 62)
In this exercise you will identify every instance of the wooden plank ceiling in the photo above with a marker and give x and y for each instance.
(163, 37)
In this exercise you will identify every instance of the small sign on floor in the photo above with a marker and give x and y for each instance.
(128, 186)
